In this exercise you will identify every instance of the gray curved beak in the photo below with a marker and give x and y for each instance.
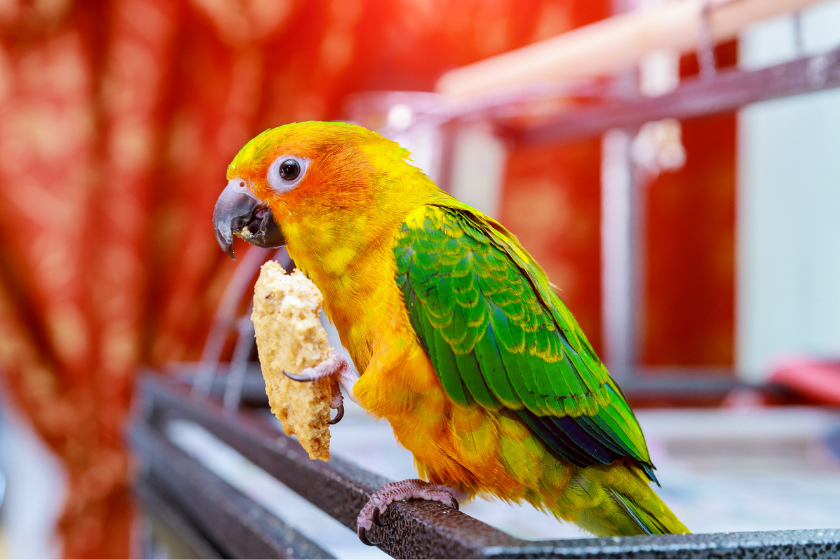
(240, 214)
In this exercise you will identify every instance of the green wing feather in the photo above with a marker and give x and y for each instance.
(499, 336)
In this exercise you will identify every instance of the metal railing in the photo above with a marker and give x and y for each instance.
(208, 517)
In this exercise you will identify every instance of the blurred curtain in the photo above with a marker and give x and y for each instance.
(117, 121)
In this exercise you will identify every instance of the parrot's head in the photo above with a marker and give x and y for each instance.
(314, 184)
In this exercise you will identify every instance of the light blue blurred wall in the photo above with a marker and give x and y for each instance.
(789, 206)
(35, 488)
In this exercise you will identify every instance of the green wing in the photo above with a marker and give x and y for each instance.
(499, 336)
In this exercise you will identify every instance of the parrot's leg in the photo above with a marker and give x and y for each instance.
(336, 367)
(402, 490)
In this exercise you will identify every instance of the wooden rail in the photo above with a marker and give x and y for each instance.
(613, 45)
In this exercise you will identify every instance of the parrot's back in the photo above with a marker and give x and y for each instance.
(500, 393)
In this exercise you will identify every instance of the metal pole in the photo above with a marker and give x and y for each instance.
(225, 317)
(619, 252)
(239, 363)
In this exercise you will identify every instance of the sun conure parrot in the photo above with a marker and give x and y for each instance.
(461, 342)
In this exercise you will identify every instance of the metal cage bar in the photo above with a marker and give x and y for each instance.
(728, 91)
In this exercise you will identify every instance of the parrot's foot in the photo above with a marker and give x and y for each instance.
(403, 490)
(337, 368)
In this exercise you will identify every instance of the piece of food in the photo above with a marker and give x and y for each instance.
(290, 337)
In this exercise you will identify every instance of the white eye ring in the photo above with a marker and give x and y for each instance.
(279, 176)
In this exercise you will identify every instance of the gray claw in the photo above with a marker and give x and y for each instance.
(375, 517)
(296, 377)
(455, 504)
(338, 415)
(363, 537)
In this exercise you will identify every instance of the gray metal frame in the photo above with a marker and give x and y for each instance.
(622, 223)
(728, 91)
(217, 519)
(622, 197)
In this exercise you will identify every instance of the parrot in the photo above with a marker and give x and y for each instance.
(459, 339)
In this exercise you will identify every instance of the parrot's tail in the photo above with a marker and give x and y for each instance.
(613, 500)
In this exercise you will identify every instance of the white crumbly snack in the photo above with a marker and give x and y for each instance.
(244, 233)
(290, 337)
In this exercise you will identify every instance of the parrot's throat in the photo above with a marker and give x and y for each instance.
(348, 252)
(353, 277)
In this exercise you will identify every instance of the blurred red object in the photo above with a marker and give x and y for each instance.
(818, 381)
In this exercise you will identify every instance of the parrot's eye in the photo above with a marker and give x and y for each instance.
(286, 172)
(289, 170)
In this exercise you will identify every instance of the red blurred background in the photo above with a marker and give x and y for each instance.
(118, 119)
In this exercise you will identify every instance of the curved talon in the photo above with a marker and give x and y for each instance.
(455, 504)
(297, 377)
(375, 517)
(338, 415)
(363, 537)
